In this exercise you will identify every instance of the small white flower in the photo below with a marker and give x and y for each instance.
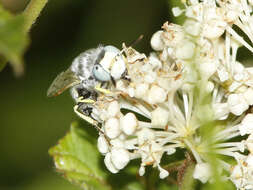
(192, 27)
(150, 77)
(163, 173)
(128, 123)
(142, 171)
(160, 117)
(112, 129)
(236, 176)
(145, 135)
(186, 50)
(113, 109)
(130, 91)
(214, 28)
(141, 90)
(102, 144)
(246, 127)
(221, 111)
(248, 95)
(208, 67)
(154, 61)
(109, 164)
(237, 104)
(120, 157)
(234, 86)
(177, 11)
(156, 41)
(202, 172)
(249, 143)
(156, 95)
(223, 74)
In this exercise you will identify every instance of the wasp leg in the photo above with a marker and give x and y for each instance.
(91, 121)
(87, 101)
(88, 119)
(102, 90)
(85, 117)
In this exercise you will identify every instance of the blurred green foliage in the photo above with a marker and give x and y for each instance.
(13, 40)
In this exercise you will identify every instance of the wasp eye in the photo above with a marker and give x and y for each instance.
(100, 73)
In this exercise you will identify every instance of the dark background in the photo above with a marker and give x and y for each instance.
(30, 122)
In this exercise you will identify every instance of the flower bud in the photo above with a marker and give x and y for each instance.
(159, 117)
(202, 172)
(141, 90)
(156, 41)
(128, 123)
(102, 144)
(186, 50)
(113, 109)
(246, 126)
(163, 173)
(112, 129)
(109, 164)
(248, 95)
(156, 95)
(120, 157)
(237, 104)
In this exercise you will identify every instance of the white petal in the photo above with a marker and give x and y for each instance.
(248, 95)
(192, 27)
(202, 172)
(113, 109)
(156, 41)
(145, 135)
(186, 50)
(142, 171)
(112, 129)
(214, 28)
(237, 104)
(156, 95)
(163, 173)
(177, 11)
(221, 111)
(120, 157)
(109, 164)
(246, 126)
(102, 145)
(141, 90)
(128, 123)
(159, 117)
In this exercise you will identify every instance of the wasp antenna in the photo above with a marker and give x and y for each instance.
(133, 43)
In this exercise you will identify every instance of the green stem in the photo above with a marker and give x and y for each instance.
(32, 12)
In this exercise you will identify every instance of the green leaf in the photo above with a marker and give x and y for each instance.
(3, 62)
(13, 39)
(78, 159)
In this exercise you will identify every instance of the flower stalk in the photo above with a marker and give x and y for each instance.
(32, 12)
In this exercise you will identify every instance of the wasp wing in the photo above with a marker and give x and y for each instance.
(62, 82)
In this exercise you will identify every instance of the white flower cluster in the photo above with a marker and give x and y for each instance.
(168, 87)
